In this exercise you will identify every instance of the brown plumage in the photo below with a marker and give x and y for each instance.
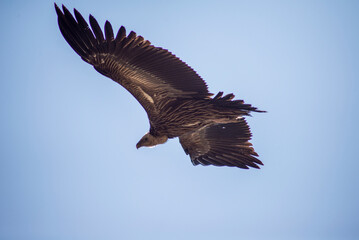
(211, 130)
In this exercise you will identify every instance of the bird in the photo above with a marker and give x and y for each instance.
(211, 130)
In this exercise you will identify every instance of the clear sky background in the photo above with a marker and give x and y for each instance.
(69, 168)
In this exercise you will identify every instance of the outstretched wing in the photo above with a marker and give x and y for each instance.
(221, 144)
(152, 75)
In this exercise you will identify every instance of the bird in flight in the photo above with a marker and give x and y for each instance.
(211, 130)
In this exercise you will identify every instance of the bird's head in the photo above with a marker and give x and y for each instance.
(148, 140)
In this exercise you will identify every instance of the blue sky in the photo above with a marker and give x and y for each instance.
(69, 168)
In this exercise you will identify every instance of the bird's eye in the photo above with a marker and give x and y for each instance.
(145, 139)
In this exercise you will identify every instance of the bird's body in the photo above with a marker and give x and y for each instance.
(184, 115)
(211, 129)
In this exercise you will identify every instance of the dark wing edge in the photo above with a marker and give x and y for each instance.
(221, 144)
(147, 72)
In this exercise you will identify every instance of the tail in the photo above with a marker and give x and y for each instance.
(236, 105)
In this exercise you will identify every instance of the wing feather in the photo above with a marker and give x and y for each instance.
(147, 72)
(96, 29)
(121, 34)
(221, 144)
(84, 27)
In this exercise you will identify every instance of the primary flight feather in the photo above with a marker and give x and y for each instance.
(211, 130)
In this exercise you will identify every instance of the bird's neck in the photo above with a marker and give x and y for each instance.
(161, 139)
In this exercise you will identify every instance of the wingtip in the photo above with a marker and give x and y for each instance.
(92, 18)
(122, 30)
(58, 10)
(76, 12)
(259, 162)
(260, 111)
(65, 10)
